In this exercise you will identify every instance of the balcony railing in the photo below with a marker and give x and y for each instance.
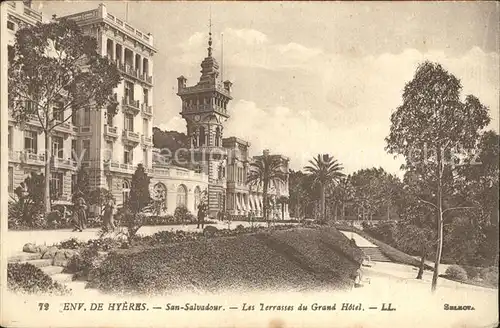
(32, 158)
(146, 78)
(147, 109)
(130, 29)
(110, 131)
(131, 136)
(119, 167)
(64, 127)
(131, 71)
(63, 163)
(131, 105)
(202, 87)
(148, 141)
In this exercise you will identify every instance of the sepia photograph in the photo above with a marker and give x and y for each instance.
(249, 164)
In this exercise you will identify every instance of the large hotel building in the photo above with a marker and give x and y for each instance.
(112, 146)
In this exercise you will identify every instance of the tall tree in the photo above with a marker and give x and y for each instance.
(343, 193)
(427, 129)
(376, 191)
(56, 71)
(132, 213)
(266, 171)
(324, 170)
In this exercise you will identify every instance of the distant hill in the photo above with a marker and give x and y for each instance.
(169, 142)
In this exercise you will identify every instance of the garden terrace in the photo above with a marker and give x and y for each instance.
(292, 259)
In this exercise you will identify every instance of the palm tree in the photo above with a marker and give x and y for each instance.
(266, 171)
(324, 170)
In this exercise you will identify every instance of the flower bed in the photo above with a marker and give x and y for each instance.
(27, 278)
(298, 258)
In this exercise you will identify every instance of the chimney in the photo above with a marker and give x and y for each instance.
(181, 83)
(227, 85)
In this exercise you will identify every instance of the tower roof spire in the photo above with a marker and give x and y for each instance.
(210, 34)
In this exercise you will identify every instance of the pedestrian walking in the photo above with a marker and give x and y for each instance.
(79, 215)
(201, 216)
(108, 216)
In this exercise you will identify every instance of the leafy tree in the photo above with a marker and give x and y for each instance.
(345, 193)
(169, 142)
(417, 237)
(325, 170)
(266, 171)
(299, 194)
(132, 213)
(427, 130)
(375, 191)
(55, 71)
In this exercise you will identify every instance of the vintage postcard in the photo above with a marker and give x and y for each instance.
(249, 164)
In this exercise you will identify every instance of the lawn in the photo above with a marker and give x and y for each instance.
(392, 253)
(292, 259)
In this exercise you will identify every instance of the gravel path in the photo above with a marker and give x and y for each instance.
(15, 240)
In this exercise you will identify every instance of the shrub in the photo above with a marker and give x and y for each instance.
(71, 243)
(29, 279)
(81, 264)
(166, 237)
(132, 221)
(456, 272)
(472, 271)
(489, 275)
(55, 219)
(103, 244)
(182, 215)
(24, 215)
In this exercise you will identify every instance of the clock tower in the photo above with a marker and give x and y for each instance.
(204, 107)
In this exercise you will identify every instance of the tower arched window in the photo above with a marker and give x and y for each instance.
(217, 136)
(201, 137)
(181, 196)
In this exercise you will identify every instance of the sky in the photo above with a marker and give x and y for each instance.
(314, 77)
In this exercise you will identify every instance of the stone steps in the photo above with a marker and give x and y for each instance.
(23, 257)
(52, 269)
(375, 254)
(62, 277)
(39, 263)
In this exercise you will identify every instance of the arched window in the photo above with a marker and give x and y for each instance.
(217, 137)
(202, 137)
(197, 197)
(125, 191)
(182, 196)
(160, 193)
